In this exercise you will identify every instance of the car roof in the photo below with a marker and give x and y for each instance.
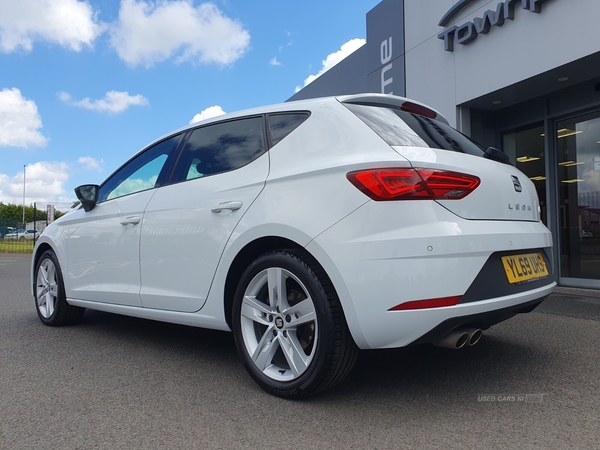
(374, 99)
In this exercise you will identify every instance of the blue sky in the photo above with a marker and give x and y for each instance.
(85, 84)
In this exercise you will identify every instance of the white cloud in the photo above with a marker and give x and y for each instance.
(69, 23)
(150, 32)
(274, 62)
(90, 163)
(19, 121)
(44, 183)
(333, 58)
(113, 102)
(211, 111)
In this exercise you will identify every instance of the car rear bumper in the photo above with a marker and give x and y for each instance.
(383, 255)
(482, 320)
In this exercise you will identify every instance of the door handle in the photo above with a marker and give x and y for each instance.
(231, 206)
(132, 220)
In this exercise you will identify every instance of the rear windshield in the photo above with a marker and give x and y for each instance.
(397, 127)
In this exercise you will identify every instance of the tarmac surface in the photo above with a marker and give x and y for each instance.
(114, 382)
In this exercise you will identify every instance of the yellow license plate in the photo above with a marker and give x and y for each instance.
(524, 267)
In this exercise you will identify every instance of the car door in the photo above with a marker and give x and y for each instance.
(103, 245)
(221, 170)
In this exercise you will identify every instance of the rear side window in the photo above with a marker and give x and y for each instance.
(221, 147)
(280, 125)
(402, 128)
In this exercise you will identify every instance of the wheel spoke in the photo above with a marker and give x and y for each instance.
(51, 276)
(277, 291)
(254, 310)
(49, 304)
(294, 354)
(265, 350)
(301, 313)
(41, 292)
(44, 274)
(41, 297)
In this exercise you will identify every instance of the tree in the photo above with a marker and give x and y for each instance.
(13, 214)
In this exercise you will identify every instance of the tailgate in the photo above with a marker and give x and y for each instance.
(505, 193)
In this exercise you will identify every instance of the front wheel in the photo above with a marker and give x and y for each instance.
(50, 298)
(289, 327)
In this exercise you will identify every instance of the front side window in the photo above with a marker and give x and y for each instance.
(403, 128)
(139, 174)
(221, 147)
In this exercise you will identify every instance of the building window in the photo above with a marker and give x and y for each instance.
(578, 152)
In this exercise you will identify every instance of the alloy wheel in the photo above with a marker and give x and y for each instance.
(279, 324)
(46, 288)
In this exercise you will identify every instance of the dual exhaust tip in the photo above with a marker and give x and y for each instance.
(460, 338)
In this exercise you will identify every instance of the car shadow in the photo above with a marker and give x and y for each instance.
(404, 375)
(428, 372)
(179, 338)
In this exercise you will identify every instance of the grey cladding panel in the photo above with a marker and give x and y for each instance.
(378, 66)
(385, 34)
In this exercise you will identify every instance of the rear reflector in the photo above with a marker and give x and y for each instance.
(424, 304)
(413, 184)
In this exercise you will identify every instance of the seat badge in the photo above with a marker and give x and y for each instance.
(516, 184)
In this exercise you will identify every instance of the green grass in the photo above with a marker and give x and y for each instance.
(16, 246)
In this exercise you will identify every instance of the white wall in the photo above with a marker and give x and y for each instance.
(564, 31)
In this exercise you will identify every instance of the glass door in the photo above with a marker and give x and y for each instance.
(525, 148)
(578, 154)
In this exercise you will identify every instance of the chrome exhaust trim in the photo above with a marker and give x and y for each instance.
(460, 338)
(455, 339)
(474, 336)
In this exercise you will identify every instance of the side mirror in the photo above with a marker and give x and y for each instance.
(87, 195)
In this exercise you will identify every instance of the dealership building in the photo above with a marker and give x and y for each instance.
(519, 75)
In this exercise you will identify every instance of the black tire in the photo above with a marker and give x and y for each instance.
(49, 293)
(320, 349)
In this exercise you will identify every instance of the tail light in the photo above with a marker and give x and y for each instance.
(413, 184)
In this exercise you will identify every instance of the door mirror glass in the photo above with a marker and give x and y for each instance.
(87, 195)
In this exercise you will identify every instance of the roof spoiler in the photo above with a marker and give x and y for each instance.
(394, 101)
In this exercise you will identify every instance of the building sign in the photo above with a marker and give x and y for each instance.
(469, 31)
(386, 57)
(50, 213)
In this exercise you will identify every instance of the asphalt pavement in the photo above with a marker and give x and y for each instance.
(114, 382)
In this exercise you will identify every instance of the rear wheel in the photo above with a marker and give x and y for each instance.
(289, 327)
(50, 298)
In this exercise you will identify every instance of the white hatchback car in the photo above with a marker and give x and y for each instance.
(311, 230)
